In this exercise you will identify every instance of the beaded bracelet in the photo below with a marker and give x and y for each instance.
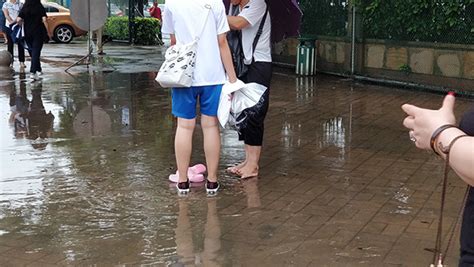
(436, 133)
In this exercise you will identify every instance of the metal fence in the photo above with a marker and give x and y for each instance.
(324, 17)
(127, 9)
(424, 42)
(446, 21)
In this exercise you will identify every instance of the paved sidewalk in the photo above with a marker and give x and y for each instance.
(340, 182)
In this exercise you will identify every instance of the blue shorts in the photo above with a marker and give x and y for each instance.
(183, 100)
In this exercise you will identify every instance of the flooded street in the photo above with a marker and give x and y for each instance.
(86, 159)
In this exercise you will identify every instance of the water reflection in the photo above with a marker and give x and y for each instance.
(29, 118)
(305, 89)
(27, 131)
(334, 133)
(250, 187)
(187, 255)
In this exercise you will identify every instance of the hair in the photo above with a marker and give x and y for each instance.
(31, 6)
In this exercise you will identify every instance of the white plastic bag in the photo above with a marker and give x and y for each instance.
(246, 103)
(225, 102)
(235, 98)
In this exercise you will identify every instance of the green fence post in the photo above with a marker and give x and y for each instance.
(306, 56)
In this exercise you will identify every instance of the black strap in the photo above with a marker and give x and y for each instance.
(235, 12)
(438, 257)
(259, 32)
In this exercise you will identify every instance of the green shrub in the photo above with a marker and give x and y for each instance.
(324, 17)
(405, 68)
(450, 21)
(117, 28)
(146, 30)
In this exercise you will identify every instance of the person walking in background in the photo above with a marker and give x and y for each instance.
(436, 130)
(99, 33)
(11, 9)
(33, 17)
(205, 21)
(155, 11)
(2, 23)
(252, 17)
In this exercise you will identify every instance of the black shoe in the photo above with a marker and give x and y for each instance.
(211, 187)
(183, 188)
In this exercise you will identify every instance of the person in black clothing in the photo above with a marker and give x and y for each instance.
(424, 124)
(467, 228)
(251, 19)
(33, 16)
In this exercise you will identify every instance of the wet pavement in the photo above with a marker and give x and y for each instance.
(86, 159)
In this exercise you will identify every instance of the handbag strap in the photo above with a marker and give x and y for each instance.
(259, 32)
(209, 8)
(234, 11)
(438, 257)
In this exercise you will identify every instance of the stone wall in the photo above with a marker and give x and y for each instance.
(444, 65)
(431, 59)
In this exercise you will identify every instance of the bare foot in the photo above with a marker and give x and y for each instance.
(248, 171)
(235, 169)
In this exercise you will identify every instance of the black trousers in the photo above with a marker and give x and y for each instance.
(35, 42)
(21, 49)
(252, 133)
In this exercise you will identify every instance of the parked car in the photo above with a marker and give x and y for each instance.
(60, 25)
(114, 10)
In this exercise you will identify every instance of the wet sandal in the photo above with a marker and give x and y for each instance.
(194, 178)
(195, 174)
(197, 169)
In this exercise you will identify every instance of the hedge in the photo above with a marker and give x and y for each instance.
(448, 21)
(146, 30)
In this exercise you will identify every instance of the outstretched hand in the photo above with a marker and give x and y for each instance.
(423, 122)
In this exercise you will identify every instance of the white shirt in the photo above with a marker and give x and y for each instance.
(253, 12)
(13, 10)
(185, 19)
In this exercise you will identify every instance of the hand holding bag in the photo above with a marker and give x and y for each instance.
(180, 59)
(17, 34)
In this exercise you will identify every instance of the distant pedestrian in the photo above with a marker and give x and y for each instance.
(155, 11)
(33, 16)
(205, 21)
(99, 33)
(2, 23)
(11, 9)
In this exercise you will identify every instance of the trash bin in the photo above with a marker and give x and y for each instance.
(306, 56)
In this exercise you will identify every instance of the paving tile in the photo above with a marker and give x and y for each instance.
(374, 228)
(340, 184)
(4, 249)
(8, 261)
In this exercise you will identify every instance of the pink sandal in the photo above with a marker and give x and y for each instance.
(195, 174)
(197, 169)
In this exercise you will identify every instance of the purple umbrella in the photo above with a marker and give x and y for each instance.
(286, 18)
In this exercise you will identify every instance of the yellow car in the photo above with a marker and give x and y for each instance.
(60, 25)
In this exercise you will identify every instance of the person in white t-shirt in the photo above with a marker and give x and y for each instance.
(186, 20)
(250, 18)
(11, 9)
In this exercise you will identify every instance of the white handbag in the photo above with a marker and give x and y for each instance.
(180, 59)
